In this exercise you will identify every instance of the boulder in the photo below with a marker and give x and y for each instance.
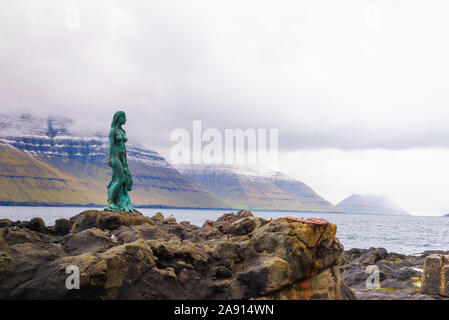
(5, 223)
(400, 276)
(326, 285)
(129, 256)
(158, 217)
(62, 227)
(110, 222)
(87, 241)
(435, 279)
(107, 220)
(6, 262)
(23, 255)
(37, 224)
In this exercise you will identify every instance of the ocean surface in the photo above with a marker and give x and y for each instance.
(400, 234)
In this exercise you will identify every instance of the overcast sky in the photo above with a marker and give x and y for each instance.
(359, 90)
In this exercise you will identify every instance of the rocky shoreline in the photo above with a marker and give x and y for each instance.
(238, 256)
(400, 276)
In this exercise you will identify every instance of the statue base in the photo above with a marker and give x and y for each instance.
(114, 208)
(121, 201)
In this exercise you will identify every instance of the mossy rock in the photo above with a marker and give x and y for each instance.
(62, 227)
(3, 244)
(158, 217)
(107, 220)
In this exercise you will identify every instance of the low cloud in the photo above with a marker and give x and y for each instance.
(327, 75)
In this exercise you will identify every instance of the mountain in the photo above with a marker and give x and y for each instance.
(41, 162)
(26, 180)
(244, 187)
(302, 192)
(370, 204)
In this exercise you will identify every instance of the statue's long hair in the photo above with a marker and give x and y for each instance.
(115, 119)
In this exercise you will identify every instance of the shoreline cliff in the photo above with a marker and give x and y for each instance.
(237, 256)
(130, 256)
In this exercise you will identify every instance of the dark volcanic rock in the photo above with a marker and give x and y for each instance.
(37, 224)
(399, 275)
(90, 240)
(106, 220)
(5, 223)
(223, 272)
(129, 256)
(436, 275)
(110, 222)
(62, 227)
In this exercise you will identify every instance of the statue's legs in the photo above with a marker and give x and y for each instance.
(118, 180)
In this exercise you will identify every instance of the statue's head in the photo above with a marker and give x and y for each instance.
(119, 118)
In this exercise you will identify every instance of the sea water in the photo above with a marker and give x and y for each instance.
(400, 234)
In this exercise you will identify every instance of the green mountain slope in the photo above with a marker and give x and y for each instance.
(245, 190)
(303, 193)
(27, 180)
(40, 179)
(42, 162)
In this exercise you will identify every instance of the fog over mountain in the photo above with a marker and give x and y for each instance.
(169, 63)
(43, 163)
(244, 187)
(339, 80)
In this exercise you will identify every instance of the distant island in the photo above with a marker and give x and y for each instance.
(370, 204)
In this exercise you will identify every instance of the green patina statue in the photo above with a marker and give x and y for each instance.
(122, 181)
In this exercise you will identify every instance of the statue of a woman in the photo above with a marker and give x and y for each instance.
(122, 181)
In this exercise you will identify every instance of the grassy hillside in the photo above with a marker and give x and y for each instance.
(305, 195)
(258, 192)
(27, 179)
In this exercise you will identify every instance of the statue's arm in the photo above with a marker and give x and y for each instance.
(126, 160)
(111, 145)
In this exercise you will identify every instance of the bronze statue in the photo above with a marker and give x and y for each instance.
(122, 181)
